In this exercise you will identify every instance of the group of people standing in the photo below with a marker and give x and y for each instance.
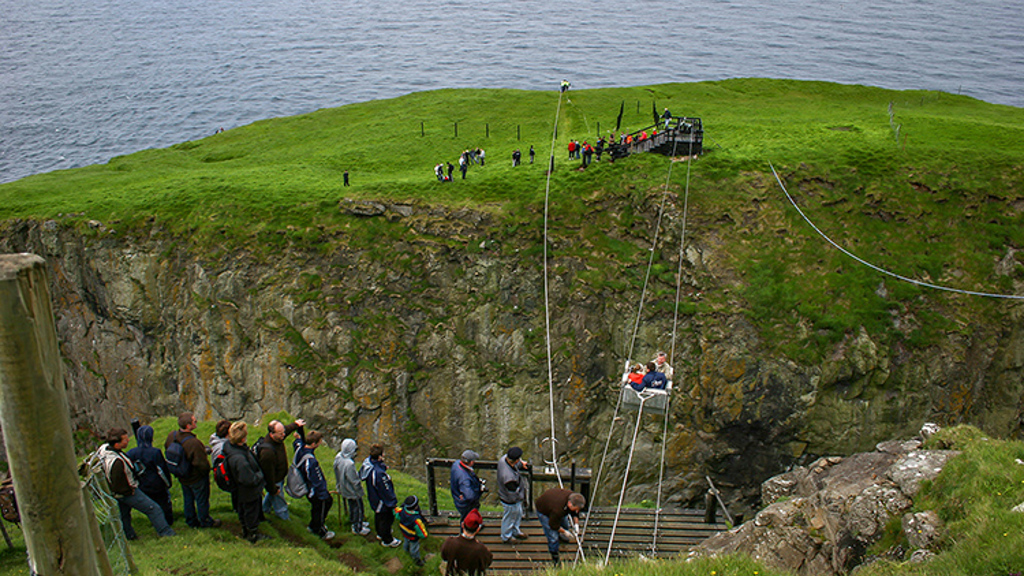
(255, 475)
(557, 510)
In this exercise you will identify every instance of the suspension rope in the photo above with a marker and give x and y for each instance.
(625, 476)
(600, 472)
(547, 307)
(675, 325)
(878, 268)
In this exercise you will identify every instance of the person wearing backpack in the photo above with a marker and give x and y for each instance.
(412, 526)
(246, 481)
(195, 482)
(381, 494)
(320, 500)
(347, 482)
(124, 484)
(155, 480)
(273, 458)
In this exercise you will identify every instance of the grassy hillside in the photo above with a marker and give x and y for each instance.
(926, 184)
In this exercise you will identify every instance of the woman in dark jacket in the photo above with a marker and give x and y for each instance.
(246, 481)
(155, 481)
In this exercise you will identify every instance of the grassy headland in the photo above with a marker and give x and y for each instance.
(939, 199)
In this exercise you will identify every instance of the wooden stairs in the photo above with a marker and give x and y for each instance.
(678, 531)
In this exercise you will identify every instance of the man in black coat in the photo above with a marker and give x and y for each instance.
(246, 481)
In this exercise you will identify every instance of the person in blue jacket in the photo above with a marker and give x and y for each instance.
(320, 499)
(155, 481)
(653, 378)
(381, 494)
(466, 486)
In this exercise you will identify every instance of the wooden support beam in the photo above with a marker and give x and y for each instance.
(36, 426)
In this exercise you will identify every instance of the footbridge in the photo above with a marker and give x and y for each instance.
(639, 531)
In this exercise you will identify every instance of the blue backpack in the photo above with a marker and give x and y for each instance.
(177, 462)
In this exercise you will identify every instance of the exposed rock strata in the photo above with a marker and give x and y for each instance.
(432, 340)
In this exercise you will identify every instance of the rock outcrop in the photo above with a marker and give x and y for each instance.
(423, 327)
(820, 519)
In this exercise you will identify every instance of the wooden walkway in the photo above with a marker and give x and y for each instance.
(678, 530)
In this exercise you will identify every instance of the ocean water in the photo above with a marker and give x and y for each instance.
(81, 82)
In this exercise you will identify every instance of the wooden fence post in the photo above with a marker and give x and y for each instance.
(36, 426)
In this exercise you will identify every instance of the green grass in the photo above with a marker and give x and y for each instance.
(974, 496)
(939, 204)
(292, 551)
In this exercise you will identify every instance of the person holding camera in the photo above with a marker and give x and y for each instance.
(465, 484)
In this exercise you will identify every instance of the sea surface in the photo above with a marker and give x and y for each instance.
(82, 82)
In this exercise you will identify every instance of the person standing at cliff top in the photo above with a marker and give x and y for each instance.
(195, 486)
(273, 458)
(465, 485)
(565, 85)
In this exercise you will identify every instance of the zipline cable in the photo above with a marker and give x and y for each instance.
(643, 399)
(878, 268)
(675, 325)
(547, 306)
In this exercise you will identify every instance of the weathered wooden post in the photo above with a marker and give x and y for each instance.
(36, 427)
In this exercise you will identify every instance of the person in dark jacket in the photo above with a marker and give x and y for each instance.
(320, 499)
(381, 494)
(464, 554)
(273, 458)
(123, 482)
(155, 480)
(465, 485)
(512, 493)
(195, 487)
(558, 511)
(653, 378)
(412, 526)
(246, 481)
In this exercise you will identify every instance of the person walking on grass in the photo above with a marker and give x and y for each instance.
(381, 494)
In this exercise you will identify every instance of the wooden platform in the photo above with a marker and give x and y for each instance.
(678, 530)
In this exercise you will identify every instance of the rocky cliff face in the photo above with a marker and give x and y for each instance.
(432, 340)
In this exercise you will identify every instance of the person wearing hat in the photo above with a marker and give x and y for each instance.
(412, 526)
(558, 511)
(464, 554)
(465, 485)
(512, 493)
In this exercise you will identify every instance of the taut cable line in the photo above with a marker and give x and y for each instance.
(879, 268)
